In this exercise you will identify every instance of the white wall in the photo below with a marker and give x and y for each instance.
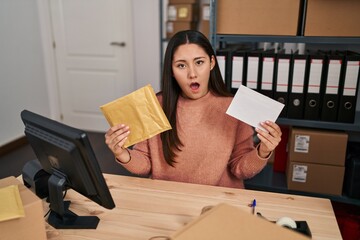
(147, 42)
(22, 75)
(23, 83)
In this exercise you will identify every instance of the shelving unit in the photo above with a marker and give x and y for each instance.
(268, 180)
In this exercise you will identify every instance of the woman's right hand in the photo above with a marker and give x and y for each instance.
(115, 139)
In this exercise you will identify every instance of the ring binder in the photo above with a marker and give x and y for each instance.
(313, 86)
(332, 80)
(297, 87)
(282, 73)
(349, 90)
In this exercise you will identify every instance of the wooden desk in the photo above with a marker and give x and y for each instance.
(147, 208)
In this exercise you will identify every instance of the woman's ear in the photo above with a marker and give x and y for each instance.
(212, 62)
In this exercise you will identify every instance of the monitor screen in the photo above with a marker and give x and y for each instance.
(65, 153)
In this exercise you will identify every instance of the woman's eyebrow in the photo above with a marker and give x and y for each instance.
(197, 58)
(182, 60)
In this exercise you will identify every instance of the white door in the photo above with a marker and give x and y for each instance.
(94, 57)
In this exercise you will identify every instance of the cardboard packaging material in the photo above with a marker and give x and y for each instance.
(317, 146)
(316, 178)
(141, 111)
(261, 17)
(228, 222)
(173, 27)
(332, 18)
(32, 226)
(182, 12)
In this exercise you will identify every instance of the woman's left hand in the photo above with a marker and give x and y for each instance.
(269, 140)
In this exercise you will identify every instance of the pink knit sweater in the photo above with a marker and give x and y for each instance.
(218, 149)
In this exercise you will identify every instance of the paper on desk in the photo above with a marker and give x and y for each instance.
(253, 108)
(11, 206)
(141, 111)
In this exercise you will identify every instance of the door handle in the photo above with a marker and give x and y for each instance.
(119, 44)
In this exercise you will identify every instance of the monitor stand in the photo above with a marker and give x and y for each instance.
(60, 216)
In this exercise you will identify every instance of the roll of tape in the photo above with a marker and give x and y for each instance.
(286, 222)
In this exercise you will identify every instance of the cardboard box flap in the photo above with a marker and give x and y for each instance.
(32, 226)
(27, 197)
(231, 223)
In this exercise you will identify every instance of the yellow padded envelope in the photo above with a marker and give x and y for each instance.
(141, 111)
(11, 205)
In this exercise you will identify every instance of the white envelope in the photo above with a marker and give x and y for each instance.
(253, 108)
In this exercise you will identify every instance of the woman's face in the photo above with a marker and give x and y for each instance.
(191, 67)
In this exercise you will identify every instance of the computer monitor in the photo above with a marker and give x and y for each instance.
(66, 155)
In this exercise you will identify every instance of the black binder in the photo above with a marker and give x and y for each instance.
(238, 70)
(313, 86)
(281, 81)
(266, 74)
(332, 83)
(297, 87)
(349, 90)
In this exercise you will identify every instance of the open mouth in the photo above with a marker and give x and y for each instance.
(194, 86)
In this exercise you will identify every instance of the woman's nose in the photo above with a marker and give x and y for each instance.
(192, 72)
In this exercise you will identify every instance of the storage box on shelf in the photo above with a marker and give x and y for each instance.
(181, 16)
(261, 17)
(332, 18)
(316, 160)
(204, 23)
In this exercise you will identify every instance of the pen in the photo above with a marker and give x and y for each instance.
(253, 205)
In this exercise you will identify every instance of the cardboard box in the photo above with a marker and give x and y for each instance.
(317, 146)
(316, 178)
(261, 17)
(332, 18)
(204, 23)
(32, 226)
(182, 12)
(229, 222)
(173, 27)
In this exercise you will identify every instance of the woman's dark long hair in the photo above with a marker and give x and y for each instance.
(171, 90)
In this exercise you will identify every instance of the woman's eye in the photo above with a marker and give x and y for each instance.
(181, 65)
(199, 62)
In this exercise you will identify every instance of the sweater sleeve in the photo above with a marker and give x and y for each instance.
(140, 163)
(245, 162)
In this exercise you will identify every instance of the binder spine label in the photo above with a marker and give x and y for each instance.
(221, 62)
(237, 71)
(332, 86)
(267, 74)
(298, 76)
(283, 75)
(315, 76)
(351, 77)
(252, 77)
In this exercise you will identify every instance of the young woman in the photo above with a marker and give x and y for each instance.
(205, 145)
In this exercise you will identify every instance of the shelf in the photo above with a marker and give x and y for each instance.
(285, 39)
(268, 180)
(351, 127)
(271, 181)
